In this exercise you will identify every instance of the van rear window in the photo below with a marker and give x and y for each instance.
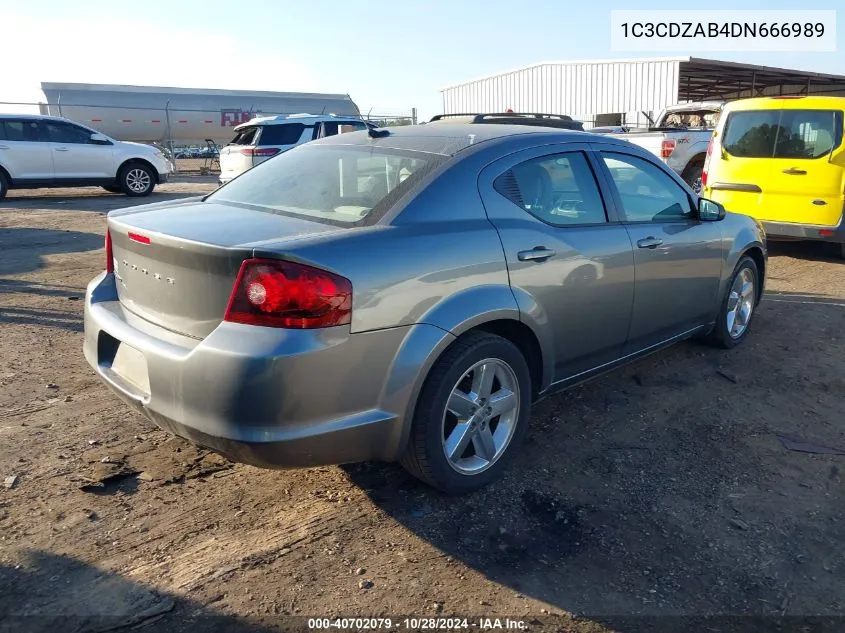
(782, 133)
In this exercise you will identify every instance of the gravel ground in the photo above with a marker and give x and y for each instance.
(655, 494)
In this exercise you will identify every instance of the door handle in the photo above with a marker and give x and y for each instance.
(649, 242)
(61, 149)
(795, 172)
(4, 147)
(537, 254)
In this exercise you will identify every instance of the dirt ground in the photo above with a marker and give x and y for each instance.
(660, 493)
(196, 165)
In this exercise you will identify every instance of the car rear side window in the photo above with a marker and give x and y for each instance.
(342, 127)
(21, 131)
(648, 193)
(284, 134)
(782, 133)
(560, 190)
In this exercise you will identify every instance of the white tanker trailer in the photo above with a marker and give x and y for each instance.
(179, 115)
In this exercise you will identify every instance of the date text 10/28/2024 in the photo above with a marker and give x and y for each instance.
(417, 624)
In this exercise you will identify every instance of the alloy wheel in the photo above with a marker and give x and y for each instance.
(480, 416)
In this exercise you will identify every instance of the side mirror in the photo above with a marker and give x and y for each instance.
(709, 211)
(99, 139)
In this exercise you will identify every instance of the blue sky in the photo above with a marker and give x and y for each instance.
(389, 56)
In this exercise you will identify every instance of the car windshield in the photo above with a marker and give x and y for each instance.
(340, 184)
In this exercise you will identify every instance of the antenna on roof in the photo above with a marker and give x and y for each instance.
(377, 133)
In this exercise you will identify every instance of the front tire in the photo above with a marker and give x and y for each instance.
(472, 414)
(4, 185)
(737, 307)
(137, 180)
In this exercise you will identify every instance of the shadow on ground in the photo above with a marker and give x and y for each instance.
(50, 593)
(23, 247)
(660, 492)
(814, 251)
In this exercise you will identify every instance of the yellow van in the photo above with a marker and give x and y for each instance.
(781, 160)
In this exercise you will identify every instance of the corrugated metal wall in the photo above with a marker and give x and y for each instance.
(581, 90)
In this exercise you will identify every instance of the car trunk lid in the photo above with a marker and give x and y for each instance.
(175, 265)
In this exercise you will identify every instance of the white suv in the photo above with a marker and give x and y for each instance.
(264, 137)
(46, 151)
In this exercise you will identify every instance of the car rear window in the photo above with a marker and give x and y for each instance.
(341, 185)
(246, 136)
(284, 134)
(782, 133)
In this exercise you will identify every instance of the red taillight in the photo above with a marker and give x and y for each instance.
(260, 151)
(284, 294)
(109, 253)
(707, 163)
(825, 233)
(667, 147)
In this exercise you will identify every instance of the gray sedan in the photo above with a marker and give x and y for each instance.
(406, 294)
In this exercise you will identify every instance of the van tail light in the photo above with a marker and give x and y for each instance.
(283, 294)
(667, 147)
(707, 162)
(825, 233)
(109, 253)
(260, 151)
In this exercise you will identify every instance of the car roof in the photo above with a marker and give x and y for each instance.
(787, 102)
(42, 117)
(563, 121)
(450, 138)
(281, 119)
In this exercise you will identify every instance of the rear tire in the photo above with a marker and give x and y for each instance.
(841, 247)
(737, 307)
(4, 185)
(490, 440)
(136, 180)
(112, 188)
(692, 175)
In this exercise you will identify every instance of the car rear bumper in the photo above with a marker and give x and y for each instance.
(264, 396)
(790, 231)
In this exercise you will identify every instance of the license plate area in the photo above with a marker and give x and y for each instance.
(124, 366)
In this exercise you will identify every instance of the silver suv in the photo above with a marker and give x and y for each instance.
(264, 137)
(45, 151)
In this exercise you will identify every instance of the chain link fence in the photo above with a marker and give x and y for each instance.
(183, 132)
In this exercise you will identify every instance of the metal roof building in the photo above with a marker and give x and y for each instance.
(617, 91)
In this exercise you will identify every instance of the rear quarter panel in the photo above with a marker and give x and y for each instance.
(439, 261)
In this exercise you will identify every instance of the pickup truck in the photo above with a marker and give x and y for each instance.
(680, 137)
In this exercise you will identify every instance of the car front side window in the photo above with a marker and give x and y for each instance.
(648, 194)
(66, 133)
